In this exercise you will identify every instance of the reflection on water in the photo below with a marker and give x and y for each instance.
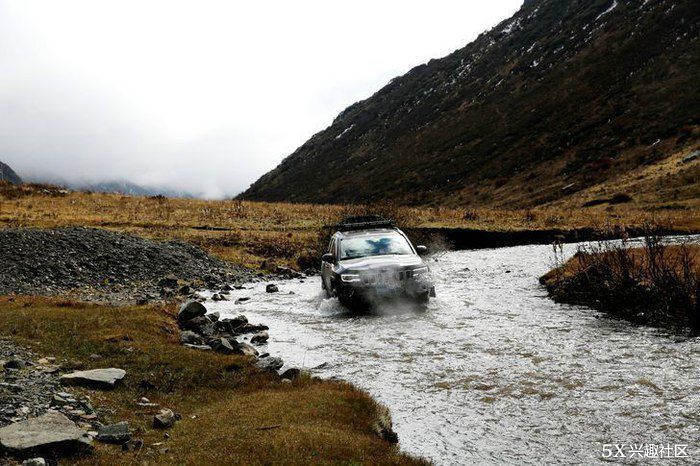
(493, 370)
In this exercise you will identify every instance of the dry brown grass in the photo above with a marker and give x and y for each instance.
(655, 283)
(222, 399)
(253, 233)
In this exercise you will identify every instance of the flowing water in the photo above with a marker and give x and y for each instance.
(494, 371)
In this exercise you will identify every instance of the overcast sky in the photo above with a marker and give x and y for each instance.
(204, 96)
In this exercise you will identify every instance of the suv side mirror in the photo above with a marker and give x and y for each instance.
(420, 249)
(328, 257)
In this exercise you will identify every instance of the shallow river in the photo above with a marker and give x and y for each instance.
(493, 370)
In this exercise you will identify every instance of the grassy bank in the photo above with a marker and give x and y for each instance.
(223, 400)
(654, 284)
(258, 234)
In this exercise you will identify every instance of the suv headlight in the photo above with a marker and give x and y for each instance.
(420, 271)
(350, 277)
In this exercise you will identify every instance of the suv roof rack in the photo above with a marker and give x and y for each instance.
(364, 222)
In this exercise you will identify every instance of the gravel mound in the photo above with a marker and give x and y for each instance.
(97, 263)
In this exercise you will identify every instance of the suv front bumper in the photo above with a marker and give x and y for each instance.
(415, 288)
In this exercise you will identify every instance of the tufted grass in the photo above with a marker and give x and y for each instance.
(223, 400)
(264, 235)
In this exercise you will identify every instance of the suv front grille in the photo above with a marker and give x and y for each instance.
(386, 277)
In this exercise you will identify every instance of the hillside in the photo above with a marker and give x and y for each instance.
(8, 175)
(564, 99)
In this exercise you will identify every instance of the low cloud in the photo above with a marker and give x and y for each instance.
(200, 96)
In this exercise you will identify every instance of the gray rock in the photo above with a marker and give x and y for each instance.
(271, 288)
(50, 433)
(692, 156)
(251, 328)
(198, 347)
(34, 462)
(217, 297)
(230, 325)
(269, 364)
(169, 281)
(214, 316)
(133, 445)
(94, 378)
(291, 373)
(260, 338)
(58, 400)
(241, 300)
(201, 325)
(191, 338)
(245, 349)
(222, 345)
(15, 364)
(232, 346)
(114, 433)
(190, 310)
(165, 419)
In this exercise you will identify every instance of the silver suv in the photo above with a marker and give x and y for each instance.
(369, 259)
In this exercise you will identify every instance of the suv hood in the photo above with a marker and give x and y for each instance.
(380, 262)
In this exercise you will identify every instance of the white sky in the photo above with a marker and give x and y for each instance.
(202, 95)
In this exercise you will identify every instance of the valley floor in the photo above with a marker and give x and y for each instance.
(263, 235)
(231, 412)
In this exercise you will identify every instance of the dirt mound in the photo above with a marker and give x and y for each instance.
(101, 264)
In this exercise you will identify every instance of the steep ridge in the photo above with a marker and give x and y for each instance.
(561, 97)
(8, 175)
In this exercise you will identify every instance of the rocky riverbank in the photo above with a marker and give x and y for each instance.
(43, 416)
(121, 375)
(103, 266)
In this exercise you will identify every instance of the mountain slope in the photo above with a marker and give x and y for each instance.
(8, 175)
(128, 188)
(561, 97)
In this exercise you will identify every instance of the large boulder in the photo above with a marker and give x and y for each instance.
(251, 328)
(230, 325)
(188, 337)
(222, 345)
(201, 325)
(260, 338)
(51, 433)
(94, 378)
(245, 349)
(34, 462)
(269, 364)
(232, 346)
(271, 288)
(291, 373)
(190, 310)
(169, 281)
(114, 433)
(165, 419)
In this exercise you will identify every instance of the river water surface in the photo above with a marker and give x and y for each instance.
(494, 371)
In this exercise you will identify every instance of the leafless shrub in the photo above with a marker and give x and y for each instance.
(470, 215)
(654, 282)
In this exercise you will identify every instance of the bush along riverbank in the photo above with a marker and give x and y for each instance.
(187, 390)
(653, 283)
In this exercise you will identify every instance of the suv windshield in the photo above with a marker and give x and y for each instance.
(352, 248)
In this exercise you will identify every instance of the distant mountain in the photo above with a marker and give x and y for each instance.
(564, 97)
(7, 174)
(127, 188)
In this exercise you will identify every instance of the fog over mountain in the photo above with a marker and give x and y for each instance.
(200, 97)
